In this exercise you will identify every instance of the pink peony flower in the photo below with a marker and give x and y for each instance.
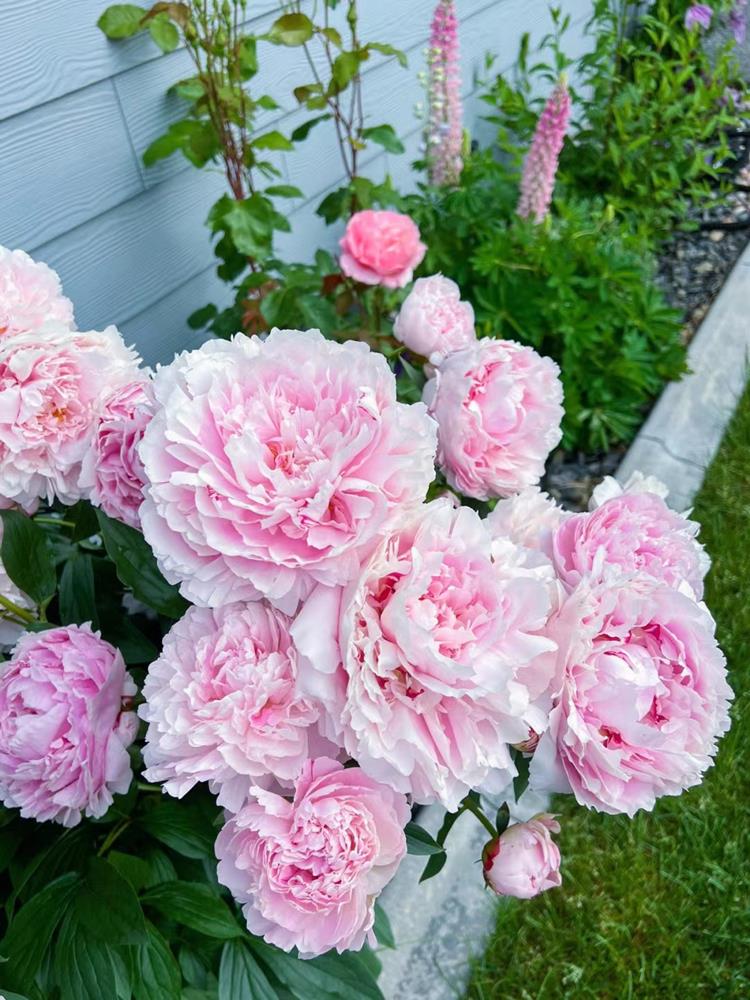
(698, 15)
(540, 166)
(30, 295)
(643, 695)
(273, 464)
(381, 248)
(64, 725)
(51, 382)
(633, 531)
(529, 519)
(222, 704)
(112, 475)
(524, 860)
(498, 406)
(307, 872)
(433, 320)
(430, 663)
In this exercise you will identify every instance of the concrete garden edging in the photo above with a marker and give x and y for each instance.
(440, 925)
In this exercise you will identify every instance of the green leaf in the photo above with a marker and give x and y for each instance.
(284, 191)
(191, 89)
(241, 977)
(502, 819)
(435, 864)
(335, 205)
(137, 568)
(382, 928)
(194, 905)
(83, 516)
(302, 131)
(341, 976)
(135, 870)
(419, 841)
(131, 642)
(27, 556)
(345, 68)
(164, 33)
(121, 20)
(83, 965)
(77, 600)
(181, 826)
(107, 907)
(384, 136)
(272, 140)
(389, 50)
(521, 780)
(202, 317)
(28, 938)
(291, 29)
(250, 224)
(195, 139)
(157, 974)
(248, 57)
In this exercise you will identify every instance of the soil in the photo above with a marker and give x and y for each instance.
(692, 267)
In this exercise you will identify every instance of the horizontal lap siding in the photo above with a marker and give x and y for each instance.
(77, 112)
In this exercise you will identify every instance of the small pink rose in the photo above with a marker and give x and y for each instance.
(381, 248)
(433, 320)
(524, 860)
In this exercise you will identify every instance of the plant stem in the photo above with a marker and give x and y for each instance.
(15, 609)
(112, 836)
(472, 807)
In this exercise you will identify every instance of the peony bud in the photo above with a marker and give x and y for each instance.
(524, 860)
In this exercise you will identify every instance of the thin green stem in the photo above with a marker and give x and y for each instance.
(112, 836)
(17, 610)
(472, 807)
(58, 522)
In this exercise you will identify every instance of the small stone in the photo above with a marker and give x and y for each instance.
(705, 267)
(716, 235)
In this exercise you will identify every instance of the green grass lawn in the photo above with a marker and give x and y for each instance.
(659, 906)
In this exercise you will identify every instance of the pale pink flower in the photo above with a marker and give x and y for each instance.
(306, 873)
(433, 321)
(381, 248)
(112, 475)
(222, 703)
(632, 531)
(30, 295)
(272, 464)
(431, 662)
(524, 860)
(444, 133)
(51, 382)
(643, 695)
(540, 166)
(529, 519)
(65, 725)
(498, 406)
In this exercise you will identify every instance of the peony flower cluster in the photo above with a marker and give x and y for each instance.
(65, 725)
(353, 648)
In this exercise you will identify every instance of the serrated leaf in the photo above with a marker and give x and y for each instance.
(272, 140)
(248, 57)
(136, 567)
(27, 556)
(384, 136)
(291, 29)
(194, 905)
(240, 975)
(419, 841)
(121, 20)
(164, 33)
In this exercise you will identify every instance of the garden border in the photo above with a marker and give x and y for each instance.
(442, 924)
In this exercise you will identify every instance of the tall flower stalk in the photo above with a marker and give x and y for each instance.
(444, 133)
(540, 166)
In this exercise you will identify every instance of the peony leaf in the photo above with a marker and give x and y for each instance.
(419, 841)
(240, 975)
(27, 556)
(157, 974)
(194, 905)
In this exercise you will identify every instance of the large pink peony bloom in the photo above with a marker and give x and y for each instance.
(430, 663)
(222, 704)
(633, 531)
(498, 406)
(51, 382)
(529, 519)
(381, 248)
(64, 725)
(30, 295)
(524, 860)
(112, 475)
(643, 695)
(307, 872)
(273, 464)
(433, 320)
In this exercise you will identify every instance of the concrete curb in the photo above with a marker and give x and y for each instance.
(442, 924)
(684, 430)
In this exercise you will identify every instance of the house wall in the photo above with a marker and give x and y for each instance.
(77, 111)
